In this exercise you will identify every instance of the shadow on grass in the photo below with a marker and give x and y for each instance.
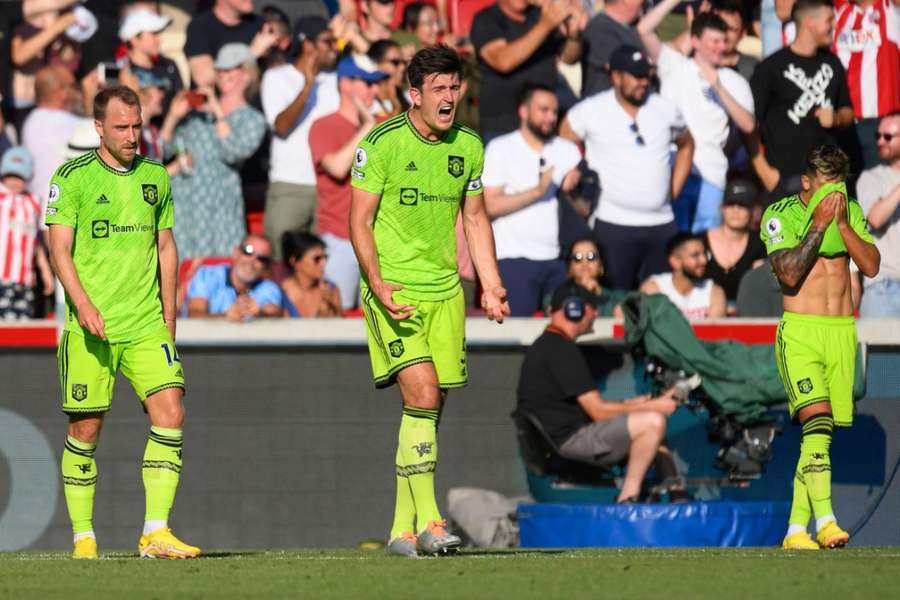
(508, 552)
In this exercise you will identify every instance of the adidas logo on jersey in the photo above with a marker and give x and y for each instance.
(102, 199)
(411, 166)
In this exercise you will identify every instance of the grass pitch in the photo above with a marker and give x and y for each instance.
(720, 574)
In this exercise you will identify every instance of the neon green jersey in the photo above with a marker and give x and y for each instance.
(116, 215)
(786, 222)
(421, 184)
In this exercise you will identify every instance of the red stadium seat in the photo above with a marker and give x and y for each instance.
(461, 13)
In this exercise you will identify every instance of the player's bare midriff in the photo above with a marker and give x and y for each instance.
(825, 291)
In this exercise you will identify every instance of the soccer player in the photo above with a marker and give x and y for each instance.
(811, 238)
(411, 176)
(111, 245)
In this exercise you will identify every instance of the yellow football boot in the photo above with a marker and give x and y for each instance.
(163, 544)
(799, 541)
(85, 549)
(832, 536)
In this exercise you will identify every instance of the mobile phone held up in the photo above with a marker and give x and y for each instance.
(195, 99)
(108, 73)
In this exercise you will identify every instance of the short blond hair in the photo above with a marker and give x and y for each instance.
(829, 160)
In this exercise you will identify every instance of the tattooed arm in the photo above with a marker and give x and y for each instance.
(791, 266)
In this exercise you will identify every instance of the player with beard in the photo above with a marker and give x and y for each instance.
(523, 171)
(627, 132)
(695, 297)
(411, 176)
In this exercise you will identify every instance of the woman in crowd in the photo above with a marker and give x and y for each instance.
(213, 134)
(732, 248)
(419, 29)
(307, 293)
(391, 98)
(586, 268)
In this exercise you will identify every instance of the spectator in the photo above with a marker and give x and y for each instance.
(378, 17)
(419, 28)
(20, 247)
(228, 21)
(731, 248)
(332, 142)
(48, 126)
(279, 53)
(522, 172)
(517, 43)
(391, 98)
(879, 195)
(240, 291)
(5, 142)
(586, 269)
(219, 132)
(628, 132)
(293, 97)
(140, 31)
(605, 32)
(710, 97)
(695, 296)
(556, 387)
(307, 292)
(759, 293)
(84, 139)
(867, 40)
(801, 95)
(152, 93)
(733, 13)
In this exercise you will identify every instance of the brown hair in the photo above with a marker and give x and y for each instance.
(123, 93)
(829, 160)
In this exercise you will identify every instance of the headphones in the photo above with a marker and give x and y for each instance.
(573, 308)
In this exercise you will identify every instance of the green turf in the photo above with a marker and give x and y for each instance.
(723, 574)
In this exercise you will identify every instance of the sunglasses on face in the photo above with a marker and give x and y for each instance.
(383, 1)
(319, 258)
(638, 138)
(585, 256)
(397, 62)
(884, 136)
(250, 250)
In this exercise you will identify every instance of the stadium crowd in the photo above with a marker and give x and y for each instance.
(629, 144)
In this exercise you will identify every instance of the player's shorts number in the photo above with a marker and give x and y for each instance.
(171, 354)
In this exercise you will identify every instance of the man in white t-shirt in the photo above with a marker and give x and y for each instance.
(295, 95)
(710, 97)
(627, 132)
(523, 170)
(695, 296)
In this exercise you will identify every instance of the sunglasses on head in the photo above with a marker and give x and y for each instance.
(884, 136)
(250, 250)
(585, 256)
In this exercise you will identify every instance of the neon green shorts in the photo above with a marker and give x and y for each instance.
(87, 369)
(816, 359)
(435, 333)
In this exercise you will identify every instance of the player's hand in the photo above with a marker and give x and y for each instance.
(840, 209)
(823, 214)
(494, 303)
(384, 291)
(825, 114)
(91, 319)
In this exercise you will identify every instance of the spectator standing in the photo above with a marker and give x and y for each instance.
(800, 94)
(732, 12)
(278, 54)
(140, 31)
(517, 43)
(695, 296)
(293, 97)
(378, 17)
(523, 171)
(152, 93)
(586, 269)
(867, 40)
(710, 97)
(732, 248)
(228, 21)
(50, 124)
(879, 196)
(20, 246)
(628, 132)
(222, 132)
(240, 291)
(307, 292)
(557, 388)
(332, 142)
(391, 98)
(605, 32)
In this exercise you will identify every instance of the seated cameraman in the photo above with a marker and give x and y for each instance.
(556, 386)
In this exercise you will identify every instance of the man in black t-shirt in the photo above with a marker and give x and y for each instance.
(608, 30)
(518, 43)
(556, 386)
(800, 94)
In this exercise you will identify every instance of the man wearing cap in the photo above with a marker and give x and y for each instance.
(556, 387)
(332, 142)
(293, 97)
(627, 132)
(140, 31)
(20, 220)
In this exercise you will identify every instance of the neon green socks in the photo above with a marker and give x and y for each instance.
(405, 507)
(815, 465)
(79, 474)
(161, 470)
(417, 458)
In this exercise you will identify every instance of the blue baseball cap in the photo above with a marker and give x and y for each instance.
(17, 161)
(360, 66)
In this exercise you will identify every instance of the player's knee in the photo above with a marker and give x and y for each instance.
(86, 430)
(426, 397)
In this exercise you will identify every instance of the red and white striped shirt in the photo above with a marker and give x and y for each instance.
(20, 219)
(867, 40)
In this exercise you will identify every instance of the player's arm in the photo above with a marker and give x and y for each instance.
(718, 303)
(792, 265)
(61, 239)
(168, 276)
(480, 239)
(363, 206)
(863, 251)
